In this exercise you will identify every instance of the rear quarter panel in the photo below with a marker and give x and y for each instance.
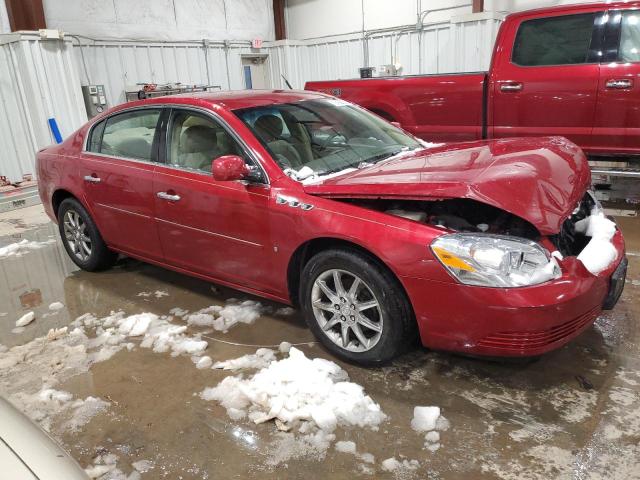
(57, 169)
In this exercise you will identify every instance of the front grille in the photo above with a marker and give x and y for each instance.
(569, 242)
(521, 341)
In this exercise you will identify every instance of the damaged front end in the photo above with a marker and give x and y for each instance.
(483, 245)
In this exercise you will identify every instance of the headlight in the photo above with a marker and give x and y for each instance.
(494, 260)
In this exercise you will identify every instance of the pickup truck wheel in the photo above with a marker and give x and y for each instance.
(81, 238)
(355, 307)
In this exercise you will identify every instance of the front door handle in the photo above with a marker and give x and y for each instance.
(619, 83)
(168, 196)
(91, 178)
(511, 87)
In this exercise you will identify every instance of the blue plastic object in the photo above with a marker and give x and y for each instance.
(55, 130)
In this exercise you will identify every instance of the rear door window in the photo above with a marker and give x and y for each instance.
(630, 37)
(130, 135)
(563, 40)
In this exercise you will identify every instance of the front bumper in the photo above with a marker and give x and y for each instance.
(513, 322)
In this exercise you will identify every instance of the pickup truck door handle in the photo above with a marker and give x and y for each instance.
(511, 87)
(91, 179)
(619, 83)
(168, 196)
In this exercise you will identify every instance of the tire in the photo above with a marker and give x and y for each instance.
(393, 315)
(76, 239)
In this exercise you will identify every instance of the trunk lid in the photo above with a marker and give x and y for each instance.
(538, 179)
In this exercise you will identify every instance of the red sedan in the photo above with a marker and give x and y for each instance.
(489, 248)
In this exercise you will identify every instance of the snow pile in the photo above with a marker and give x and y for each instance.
(26, 319)
(157, 333)
(261, 359)
(429, 420)
(298, 389)
(349, 447)
(48, 404)
(599, 252)
(222, 318)
(102, 465)
(203, 362)
(394, 465)
(20, 248)
(178, 312)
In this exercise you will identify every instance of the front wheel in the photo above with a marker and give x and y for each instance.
(355, 307)
(81, 237)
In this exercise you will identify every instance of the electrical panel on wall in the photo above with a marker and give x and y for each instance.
(95, 100)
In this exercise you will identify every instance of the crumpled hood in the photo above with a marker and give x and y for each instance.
(538, 179)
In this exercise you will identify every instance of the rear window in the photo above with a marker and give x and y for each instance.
(563, 40)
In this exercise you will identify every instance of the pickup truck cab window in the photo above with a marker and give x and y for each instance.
(630, 37)
(128, 135)
(562, 40)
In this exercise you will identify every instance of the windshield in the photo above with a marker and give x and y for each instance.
(324, 136)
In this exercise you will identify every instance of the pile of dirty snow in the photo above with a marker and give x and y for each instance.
(261, 359)
(298, 390)
(157, 333)
(599, 252)
(24, 246)
(429, 420)
(402, 465)
(222, 318)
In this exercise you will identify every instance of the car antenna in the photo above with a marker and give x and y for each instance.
(286, 81)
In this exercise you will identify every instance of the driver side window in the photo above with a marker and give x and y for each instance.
(195, 140)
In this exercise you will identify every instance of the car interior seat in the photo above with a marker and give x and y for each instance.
(270, 129)
(198, 147)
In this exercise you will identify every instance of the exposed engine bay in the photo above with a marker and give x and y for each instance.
(459, 214)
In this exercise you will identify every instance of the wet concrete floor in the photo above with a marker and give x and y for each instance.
(575, 413)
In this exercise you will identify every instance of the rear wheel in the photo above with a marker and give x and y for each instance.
(355, 307)
(81, 237)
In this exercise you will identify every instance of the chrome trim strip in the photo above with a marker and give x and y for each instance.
(253, 244)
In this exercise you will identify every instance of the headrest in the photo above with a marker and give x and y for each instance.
(269, 127)
(198, 138)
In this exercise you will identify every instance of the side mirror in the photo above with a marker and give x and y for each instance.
(229, 168)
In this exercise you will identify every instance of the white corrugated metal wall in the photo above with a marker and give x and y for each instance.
(40, 79)
(462, 45)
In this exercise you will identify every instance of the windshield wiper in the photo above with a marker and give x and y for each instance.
(382, 156)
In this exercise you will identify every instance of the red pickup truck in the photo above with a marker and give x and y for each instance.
(568, 70)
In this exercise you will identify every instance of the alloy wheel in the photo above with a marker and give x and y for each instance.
(346, 310)
(75, 233)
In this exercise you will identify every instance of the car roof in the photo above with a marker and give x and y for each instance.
(578, 7)
(237, 99)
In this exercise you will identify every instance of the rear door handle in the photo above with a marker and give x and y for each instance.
(619, 83)
(511, 87)
(168, 196)
(92, 179)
